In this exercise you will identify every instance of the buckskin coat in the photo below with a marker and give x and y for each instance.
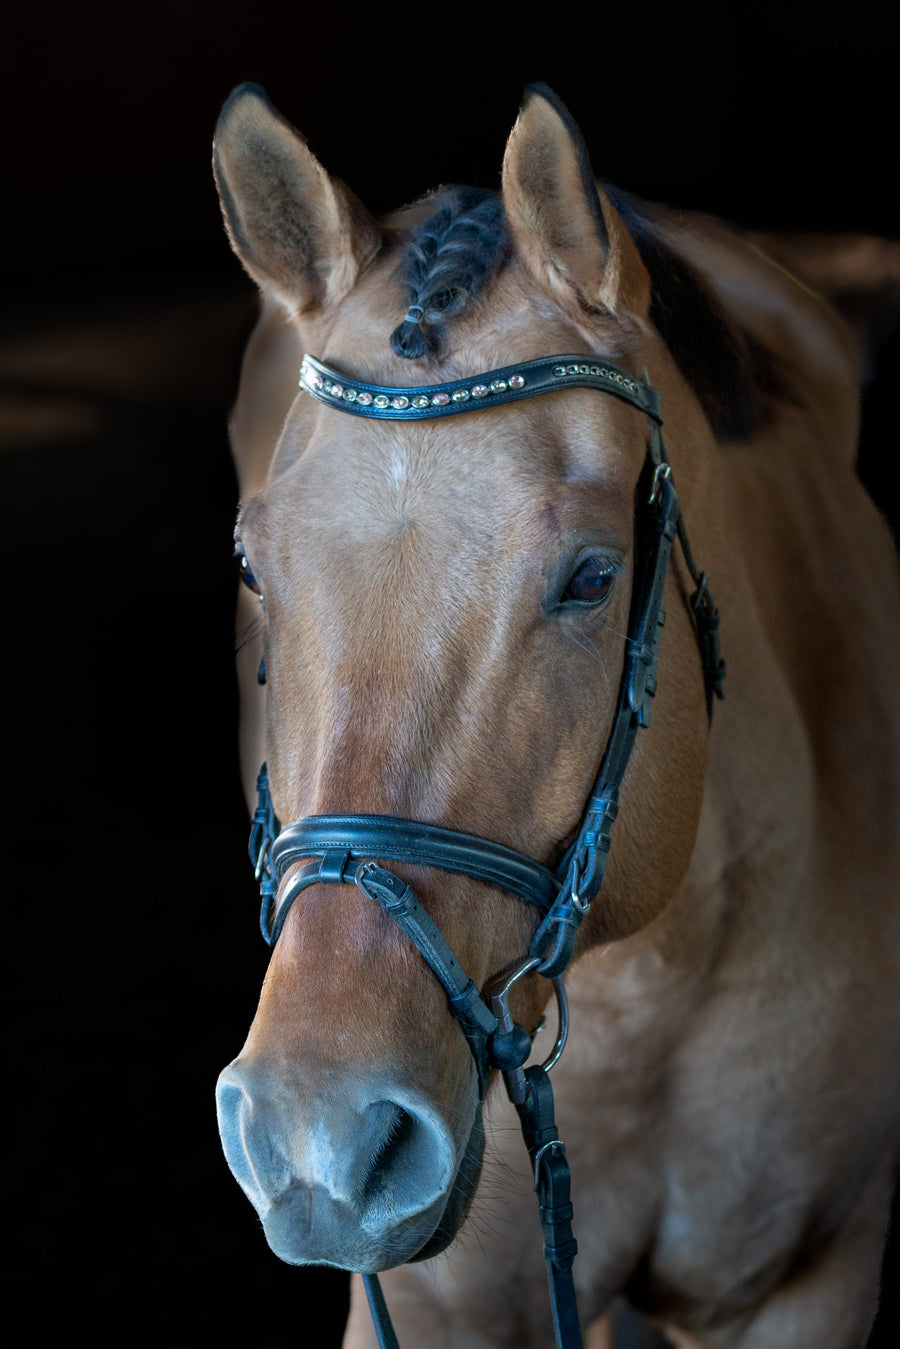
(729, 1094)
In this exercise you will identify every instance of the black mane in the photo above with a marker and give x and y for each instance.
(450, 257)
(732, 373)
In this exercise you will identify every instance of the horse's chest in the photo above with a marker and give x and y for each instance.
(694, 1164)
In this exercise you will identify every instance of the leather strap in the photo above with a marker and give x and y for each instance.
(554, 940)
(509, 384)
(342, 841)
(401, 903)
(552, 1185)
(380, 1315)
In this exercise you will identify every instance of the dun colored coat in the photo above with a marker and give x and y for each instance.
(729, 1095)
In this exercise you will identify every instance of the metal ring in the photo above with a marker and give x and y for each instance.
(502, 998)
(500, 1008)
(562, 1035)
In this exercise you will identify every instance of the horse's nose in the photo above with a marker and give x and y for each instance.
(357, 1175)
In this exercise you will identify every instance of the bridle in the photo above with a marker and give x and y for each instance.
(342, 849)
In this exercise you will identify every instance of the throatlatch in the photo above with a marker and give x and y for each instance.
(350, 849)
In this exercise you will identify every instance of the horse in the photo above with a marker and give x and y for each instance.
(456, 619)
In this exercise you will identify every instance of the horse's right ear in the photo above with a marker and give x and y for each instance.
(564, 226)
(297, 231)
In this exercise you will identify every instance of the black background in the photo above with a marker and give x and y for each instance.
(136, 960)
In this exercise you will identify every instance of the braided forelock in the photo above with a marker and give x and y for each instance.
(449, 258)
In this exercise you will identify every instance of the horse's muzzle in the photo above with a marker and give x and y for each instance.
(361, 1174)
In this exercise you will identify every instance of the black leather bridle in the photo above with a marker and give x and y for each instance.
(342, 849)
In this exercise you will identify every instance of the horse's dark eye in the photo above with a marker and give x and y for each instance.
(592, 583)
(247, 576)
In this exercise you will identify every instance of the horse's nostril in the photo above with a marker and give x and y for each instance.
(398, 1137)
(235, 1109)
(411, 1157)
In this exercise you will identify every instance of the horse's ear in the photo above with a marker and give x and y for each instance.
(296, 230)
(566, 230)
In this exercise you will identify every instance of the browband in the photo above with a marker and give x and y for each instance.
(509, 384)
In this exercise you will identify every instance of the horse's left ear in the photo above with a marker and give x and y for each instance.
(298, 232)
(565, 228)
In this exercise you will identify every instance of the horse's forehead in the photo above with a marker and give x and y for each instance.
(509, 469)
(477, 476)
(511, 322)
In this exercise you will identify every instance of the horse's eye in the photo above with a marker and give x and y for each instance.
(592, 583)
(247, 576)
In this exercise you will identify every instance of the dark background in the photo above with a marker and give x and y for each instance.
(136, 960)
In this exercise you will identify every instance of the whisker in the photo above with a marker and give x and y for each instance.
(249, 633)
(599, 654)
(593, 653)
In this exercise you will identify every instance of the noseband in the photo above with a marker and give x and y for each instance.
(342, 849)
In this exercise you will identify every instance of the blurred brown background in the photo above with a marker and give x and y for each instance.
(136, 959)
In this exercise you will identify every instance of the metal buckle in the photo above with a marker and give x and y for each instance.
(262, 859)
(660, 474)
(539, 1157)
(583, 906)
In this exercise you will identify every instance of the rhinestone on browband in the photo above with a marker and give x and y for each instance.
(321, 384)
(602, 371)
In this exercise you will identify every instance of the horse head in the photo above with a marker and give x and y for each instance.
(445, 607)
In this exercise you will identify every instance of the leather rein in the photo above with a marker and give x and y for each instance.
(342, 849)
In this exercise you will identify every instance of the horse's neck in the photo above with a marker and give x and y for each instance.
(805, 334)
(805, 576)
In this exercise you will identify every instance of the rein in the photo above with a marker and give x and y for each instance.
(345, 847)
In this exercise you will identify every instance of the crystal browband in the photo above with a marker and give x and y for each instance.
(507, 385)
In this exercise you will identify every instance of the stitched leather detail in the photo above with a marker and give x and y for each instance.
(397, 840)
